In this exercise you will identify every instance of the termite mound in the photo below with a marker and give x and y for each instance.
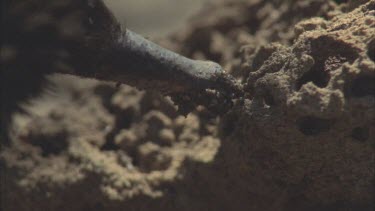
(303, 136)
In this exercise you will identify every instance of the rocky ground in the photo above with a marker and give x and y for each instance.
(302, 137)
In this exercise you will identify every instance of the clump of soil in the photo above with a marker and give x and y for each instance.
(302, 137)
(112, 144)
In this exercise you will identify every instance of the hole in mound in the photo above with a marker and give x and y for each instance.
(363, 86)
(328, 54)
(268, 99)
(361, 133)
(312, 126)
(371, 50)
(319, 78)
(50, 144)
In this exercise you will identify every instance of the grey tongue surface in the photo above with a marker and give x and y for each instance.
(147, 65)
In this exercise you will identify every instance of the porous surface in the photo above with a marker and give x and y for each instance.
(302, 137)
(305, 131)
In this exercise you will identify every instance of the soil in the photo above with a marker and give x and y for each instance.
(301, 138)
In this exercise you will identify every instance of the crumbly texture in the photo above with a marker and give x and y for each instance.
(305, 131)
(301, 138)
(116, 144)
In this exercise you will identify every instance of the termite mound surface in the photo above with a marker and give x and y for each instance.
(301, 138)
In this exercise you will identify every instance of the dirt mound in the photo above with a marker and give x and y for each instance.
(302, 138)
(305, 132)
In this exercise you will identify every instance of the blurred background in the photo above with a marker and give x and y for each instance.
(154, 18)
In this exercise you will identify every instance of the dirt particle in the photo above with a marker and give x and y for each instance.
(167, 137)
(126, 139)
(151, 159)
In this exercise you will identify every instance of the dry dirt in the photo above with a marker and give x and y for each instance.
(302, 137)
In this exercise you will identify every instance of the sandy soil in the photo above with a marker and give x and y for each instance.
(302, 137)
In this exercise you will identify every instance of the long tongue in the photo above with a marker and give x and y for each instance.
(146, 65)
